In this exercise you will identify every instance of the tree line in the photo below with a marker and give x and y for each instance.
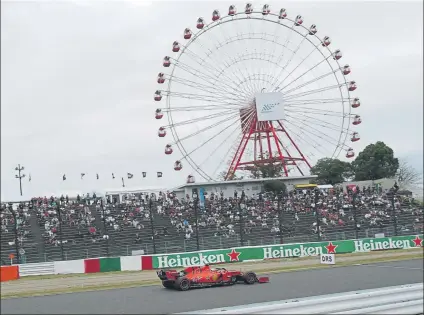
(376, 161)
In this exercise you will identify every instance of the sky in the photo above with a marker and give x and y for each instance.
(77, 83)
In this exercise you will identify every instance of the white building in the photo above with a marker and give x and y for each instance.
(384, 183)
(250, 186)
(120, 194)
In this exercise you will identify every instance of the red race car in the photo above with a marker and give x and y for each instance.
(205, 276)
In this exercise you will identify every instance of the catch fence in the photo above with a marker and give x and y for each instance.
(281, 225)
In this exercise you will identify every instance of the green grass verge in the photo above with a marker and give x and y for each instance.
(77, 275)
(132, 284)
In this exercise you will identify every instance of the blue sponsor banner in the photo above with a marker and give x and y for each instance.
(202, 198)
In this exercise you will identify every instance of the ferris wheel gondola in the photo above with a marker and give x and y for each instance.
(252, 88)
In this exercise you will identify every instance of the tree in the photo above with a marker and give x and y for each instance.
(407, 175)
(374, 162)
(271, 169)
(331, 171)
(222, 176)
(275, 186)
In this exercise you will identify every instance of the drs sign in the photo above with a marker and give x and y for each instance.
(269, 106)
(328, 259)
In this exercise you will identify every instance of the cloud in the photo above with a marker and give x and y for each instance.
(78, 82)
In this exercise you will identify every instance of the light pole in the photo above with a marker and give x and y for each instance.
(20, 175)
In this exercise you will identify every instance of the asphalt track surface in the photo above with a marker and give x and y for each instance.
(155, 299)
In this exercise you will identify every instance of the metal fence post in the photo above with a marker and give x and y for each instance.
(392, 195)
(105, 232)
(280, 218)
(60, 231)
(196, 215)
(317, 214)
(241, 219)
(355, 219)
(15, 231)
(152, 224)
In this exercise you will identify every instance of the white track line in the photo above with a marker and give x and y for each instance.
(393, 267)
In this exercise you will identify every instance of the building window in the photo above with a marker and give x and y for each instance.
(255, 187)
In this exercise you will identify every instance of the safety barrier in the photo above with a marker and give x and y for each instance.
(404, 299)
(36, 269)
(309, 249)
(9, 273)
(217, 256)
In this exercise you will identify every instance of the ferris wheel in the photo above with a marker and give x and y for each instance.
(254, 87)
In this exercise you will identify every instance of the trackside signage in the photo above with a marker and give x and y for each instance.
(382, 244)
(293, 250)
(283, 251)
(189, 260)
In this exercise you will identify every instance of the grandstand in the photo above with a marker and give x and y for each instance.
(94, 227)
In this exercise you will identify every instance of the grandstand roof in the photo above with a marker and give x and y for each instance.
(328, 186)
(132, 190)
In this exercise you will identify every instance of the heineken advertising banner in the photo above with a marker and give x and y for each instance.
(280, 251)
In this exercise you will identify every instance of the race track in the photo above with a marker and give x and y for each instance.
(155, 299)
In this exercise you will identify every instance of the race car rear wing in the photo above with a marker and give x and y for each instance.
(168, 275)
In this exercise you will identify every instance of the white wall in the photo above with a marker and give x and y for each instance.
(386, 183)
(130, 263)
(250, 188)
(69, 266)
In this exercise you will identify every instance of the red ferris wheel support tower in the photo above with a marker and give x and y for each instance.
(265, 138)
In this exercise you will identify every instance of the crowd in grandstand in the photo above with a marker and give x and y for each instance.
(335, 212)
(21, 220)
(74, 214)
(302, 212)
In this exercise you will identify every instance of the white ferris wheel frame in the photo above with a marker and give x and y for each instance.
(346, 116)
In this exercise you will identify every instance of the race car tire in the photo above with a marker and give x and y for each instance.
(182, 284)
(233, 280)
(249, 277)
(168, 284)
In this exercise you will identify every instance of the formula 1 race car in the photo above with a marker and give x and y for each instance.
(205, 276)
